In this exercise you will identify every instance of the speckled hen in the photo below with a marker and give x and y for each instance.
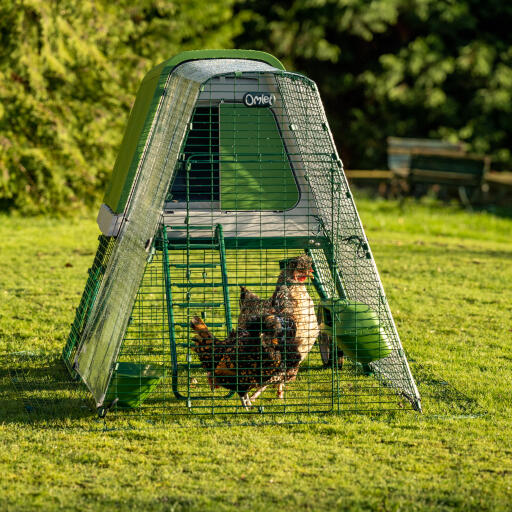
(273, 336)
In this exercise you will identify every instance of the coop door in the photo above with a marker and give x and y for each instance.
(255, 172)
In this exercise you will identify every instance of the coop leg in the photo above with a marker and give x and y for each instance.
(463, 194)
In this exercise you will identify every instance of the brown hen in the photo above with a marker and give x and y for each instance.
(273, 336)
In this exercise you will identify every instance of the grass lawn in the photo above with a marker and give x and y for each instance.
(448, 277)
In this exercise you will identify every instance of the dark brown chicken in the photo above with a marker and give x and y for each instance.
(273, 336)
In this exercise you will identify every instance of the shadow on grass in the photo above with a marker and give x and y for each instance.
(442, 398)
(36, 388)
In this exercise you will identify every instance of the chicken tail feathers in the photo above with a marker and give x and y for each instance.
(247, 296)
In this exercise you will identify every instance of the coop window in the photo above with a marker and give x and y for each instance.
(255, 171)
(200, 154)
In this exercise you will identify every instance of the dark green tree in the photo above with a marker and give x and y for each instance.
(417, 68)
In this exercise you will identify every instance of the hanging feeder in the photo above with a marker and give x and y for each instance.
(356, 329)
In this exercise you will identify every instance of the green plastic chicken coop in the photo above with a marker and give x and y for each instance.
(226, 169)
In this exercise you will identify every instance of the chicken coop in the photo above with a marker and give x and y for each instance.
(233, 275)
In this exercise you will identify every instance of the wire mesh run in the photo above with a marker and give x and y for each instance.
(96, 273)
(157, 345)
(259, 253)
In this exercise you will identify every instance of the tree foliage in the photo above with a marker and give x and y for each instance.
(69, 72)
(426, 68)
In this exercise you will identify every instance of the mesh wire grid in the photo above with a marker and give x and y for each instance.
(250, 188)
(96, 273)
(338, 212)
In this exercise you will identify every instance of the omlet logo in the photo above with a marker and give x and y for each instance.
(259, 99)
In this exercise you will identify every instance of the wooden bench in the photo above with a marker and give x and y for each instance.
(400, 150)
(416, 163)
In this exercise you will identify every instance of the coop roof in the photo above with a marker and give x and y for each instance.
(145, 107)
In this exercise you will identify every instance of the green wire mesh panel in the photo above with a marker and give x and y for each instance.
(351, 253)
(196, 288)
(226, 314)
(96, 273)
(111, 311)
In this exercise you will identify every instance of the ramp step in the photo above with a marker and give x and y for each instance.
(210, 324)
(193, 246)
(197, 285)
(210, 228)
(194, 265)
(198, 304)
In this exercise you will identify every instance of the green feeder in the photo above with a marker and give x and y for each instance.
(358, 332)
(132, 383)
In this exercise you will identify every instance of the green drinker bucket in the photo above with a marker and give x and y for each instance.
(356, 328)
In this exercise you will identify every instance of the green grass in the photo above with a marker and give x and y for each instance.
(448, 277)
